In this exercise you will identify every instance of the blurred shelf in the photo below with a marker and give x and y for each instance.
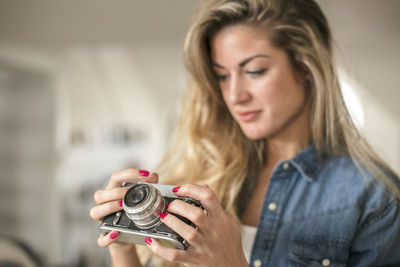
(80, 166)
(100, 153)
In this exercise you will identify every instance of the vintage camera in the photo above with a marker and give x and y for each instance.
(142, 205)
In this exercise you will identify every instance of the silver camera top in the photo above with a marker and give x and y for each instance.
(165, 190)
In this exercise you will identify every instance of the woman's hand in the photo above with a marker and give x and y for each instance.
(109, 200)
(215, 242)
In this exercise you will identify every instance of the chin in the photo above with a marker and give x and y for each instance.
(259, 133)
(255, 135)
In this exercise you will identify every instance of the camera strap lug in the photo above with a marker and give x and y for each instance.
(117, 217)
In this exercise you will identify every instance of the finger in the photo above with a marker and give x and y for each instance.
(99, 212)
(106, 240)
(170, 254)
(117, 193)
(205, 195)
(187, 232)
(189, 211)
(153, 178)
(117, 178)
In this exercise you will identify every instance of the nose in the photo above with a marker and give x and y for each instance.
(237, 91)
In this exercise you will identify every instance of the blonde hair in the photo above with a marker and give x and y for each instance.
(208, 145)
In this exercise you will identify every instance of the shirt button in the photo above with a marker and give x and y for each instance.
(272, 206)
(285, 166)
(326, 262)
(257, 263)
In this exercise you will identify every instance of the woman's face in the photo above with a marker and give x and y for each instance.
(259, 86)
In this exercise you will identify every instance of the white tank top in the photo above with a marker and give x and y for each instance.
(248, 236)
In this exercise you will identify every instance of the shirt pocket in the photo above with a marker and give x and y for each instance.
(315, 251)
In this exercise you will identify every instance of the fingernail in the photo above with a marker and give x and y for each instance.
(175, 189)
(148, 240)
(114, 235)
(144, 173)
(163, 215)
(120, 203)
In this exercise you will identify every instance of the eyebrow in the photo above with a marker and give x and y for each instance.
(244, 62)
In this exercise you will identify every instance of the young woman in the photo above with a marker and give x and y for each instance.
(266, 144)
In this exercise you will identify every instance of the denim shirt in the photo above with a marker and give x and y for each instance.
(326, 213)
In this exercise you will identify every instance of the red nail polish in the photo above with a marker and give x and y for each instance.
(175, 189)
(148, 240)
(167, 206)
(120, 203)
(114, 235)
(144, 173)
(163, 215)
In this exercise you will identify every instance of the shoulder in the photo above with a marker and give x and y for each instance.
(337, 181)
(344, 207)
(346, 214)
(356, 184)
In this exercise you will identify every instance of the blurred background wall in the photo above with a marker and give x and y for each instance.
(91, 87)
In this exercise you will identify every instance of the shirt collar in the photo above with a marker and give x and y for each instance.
(307, 162)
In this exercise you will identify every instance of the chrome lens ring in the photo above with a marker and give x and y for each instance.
(143, 204)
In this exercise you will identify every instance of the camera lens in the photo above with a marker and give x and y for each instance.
(143, 204)
(136, 195)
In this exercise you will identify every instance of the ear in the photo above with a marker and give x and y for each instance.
(305, 73)
(305, 77)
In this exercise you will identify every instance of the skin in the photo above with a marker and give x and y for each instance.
(267, 98)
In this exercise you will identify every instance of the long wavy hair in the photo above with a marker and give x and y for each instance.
(208, 146)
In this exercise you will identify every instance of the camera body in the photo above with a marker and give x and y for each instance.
(142, 205)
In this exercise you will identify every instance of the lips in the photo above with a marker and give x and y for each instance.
(247, 116)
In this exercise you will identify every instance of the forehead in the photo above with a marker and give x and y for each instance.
(240, 41)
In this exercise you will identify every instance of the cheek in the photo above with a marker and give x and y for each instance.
(271, 91)
(281, 95)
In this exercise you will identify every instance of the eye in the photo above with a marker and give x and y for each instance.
(256, 73)
(221, 77)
